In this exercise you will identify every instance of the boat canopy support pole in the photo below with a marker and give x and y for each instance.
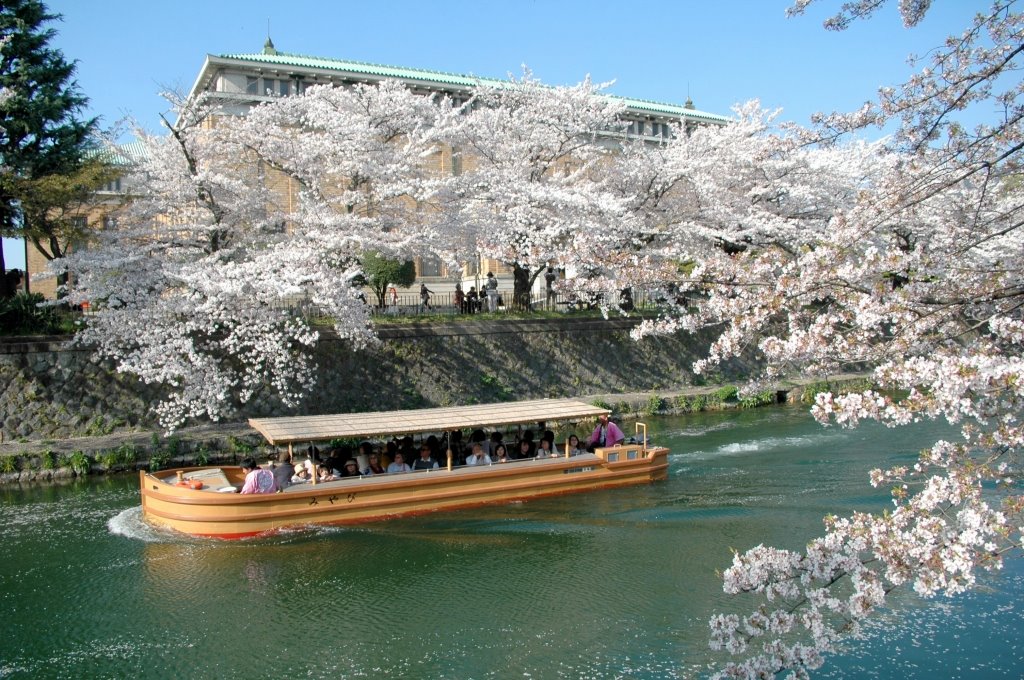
(312, 459)
(449, 438)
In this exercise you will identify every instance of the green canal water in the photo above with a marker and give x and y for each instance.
(612, 584)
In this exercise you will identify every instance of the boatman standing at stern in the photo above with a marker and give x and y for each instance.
(606, 433)
(257, 480)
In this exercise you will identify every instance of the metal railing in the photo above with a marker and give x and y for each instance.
(443, 304)
(410, 304)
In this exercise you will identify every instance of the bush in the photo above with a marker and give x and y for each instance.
(123, 455)
(158, 460)
(78, 461)
(47, 460)
(201, 457)
(724, 394)
(692, 404)
(656, 404)
(758, 399)
(22, 315)
(236, 445)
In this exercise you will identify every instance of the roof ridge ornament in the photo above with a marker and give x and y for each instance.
(268, 47)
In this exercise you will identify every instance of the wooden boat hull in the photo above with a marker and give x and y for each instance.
(229, 515)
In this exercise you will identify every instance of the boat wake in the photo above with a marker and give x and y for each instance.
(760, 445)
(129, 523)
(693, 431)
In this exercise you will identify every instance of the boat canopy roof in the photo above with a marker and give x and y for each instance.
(359, 425)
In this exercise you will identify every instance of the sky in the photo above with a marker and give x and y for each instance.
(716, 53)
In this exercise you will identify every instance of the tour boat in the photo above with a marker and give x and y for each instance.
(203, 501)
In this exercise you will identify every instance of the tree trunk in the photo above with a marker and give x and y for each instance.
(523, 279)
(521, 288)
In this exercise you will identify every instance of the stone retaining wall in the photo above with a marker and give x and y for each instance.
(54, 391)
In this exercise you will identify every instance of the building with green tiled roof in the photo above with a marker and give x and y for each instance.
(243, 80)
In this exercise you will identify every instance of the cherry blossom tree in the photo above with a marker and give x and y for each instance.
(823, 253)
(533, 171)
(236, 222)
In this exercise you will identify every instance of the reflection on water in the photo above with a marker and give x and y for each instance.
(613, 584)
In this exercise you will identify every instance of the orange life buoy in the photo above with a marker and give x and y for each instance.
(195, 484)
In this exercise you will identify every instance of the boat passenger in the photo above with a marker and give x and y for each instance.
(574, 446)
(351, 469)
(606, 433)
(527, 436)
(525, 450)
(390, 449)
(257, 480)
(301, 475)
(373, 466)
(478, 437)
(545, 450)
(478, 457)
(325, 474)
(496, 438)
(335, 461)
(425, 461)
(501, 454)
(399, 464)
(284, 470)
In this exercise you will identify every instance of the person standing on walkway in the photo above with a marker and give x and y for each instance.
(491, 288)
(549, 285)
(460, 299)
(425, 294)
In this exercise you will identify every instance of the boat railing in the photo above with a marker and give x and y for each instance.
(620, 453)
(627, 451)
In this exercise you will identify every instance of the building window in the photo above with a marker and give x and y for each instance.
(252, 85)
(283, 84)
(109, 222)
(113, 185)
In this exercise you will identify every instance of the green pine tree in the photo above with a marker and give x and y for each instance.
(41, 132)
